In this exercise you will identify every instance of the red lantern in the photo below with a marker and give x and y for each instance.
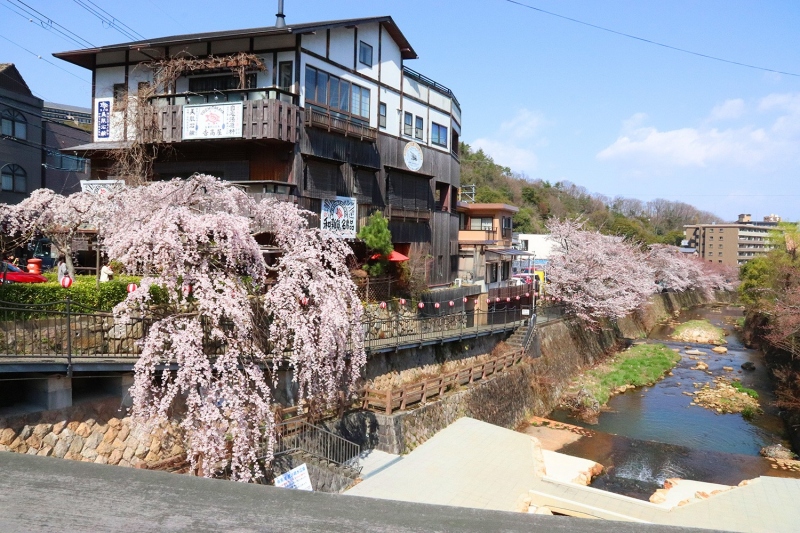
(527, 295)
(497, 299)
(465, 300)
(421, 305)
(451, 303)
(517, 298)
(66, 282)
(488, 301)
(304, 301)
(383, 305)
(476, 301)
(132, 287)
(187, 290)
(402, 301)
(436, 305)
(508, 299)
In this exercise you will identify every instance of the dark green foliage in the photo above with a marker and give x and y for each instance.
(378, 238)
(83, 292)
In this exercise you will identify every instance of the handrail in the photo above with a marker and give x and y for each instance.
(294, 436)
(413, 74)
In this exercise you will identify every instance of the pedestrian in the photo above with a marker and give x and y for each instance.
(106, 274)
(12, 260)
(62, 267)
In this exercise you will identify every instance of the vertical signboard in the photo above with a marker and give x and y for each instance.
(339, 216)
(102, 119)
(212, 121)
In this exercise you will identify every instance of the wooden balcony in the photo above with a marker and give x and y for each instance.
(349, 128)
(261, 119)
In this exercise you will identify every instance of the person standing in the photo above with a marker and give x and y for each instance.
(106, 274)
(62, 267)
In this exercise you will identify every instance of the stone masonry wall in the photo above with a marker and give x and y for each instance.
(95, 432)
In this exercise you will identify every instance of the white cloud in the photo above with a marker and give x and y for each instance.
(513, 144)
(765, 142)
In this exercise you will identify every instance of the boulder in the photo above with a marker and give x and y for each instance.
(748, 365)
(777, 451)
(7, 436)
(694, 351)
(719, 349)
(60, 449)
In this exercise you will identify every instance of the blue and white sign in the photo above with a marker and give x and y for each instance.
(296, 478)
(339, 216)
(212, 121)
(102, 119)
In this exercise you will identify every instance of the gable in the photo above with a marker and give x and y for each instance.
(11, 80)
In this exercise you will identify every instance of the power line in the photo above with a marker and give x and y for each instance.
(110, 20)
(30, 14)
(38, 115)
(656, 43)
(37, 56)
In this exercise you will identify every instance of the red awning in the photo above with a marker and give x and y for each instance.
(394, 256)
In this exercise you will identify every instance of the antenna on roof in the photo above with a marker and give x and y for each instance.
(281, 20)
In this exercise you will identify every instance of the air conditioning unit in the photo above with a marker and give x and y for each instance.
(457, 282)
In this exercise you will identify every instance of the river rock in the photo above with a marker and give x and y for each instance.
(700, 366)
(727, 368)
(719, 349)
(694, 351)
(7, 436)
(777, 451)
(748, 365)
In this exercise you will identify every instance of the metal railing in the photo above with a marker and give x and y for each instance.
(300, 436)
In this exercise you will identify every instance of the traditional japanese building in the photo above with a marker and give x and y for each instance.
(325, 114)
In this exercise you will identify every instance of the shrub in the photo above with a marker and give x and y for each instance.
(84, 292)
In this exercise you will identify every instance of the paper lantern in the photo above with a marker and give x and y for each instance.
(66, 282)
(132, 287)
(383, 305)
(465, 300)
(508, 299)
(451, 303)
(421, 305)
(436, 305)
(304, 301)
(517, 297)
(187, 290)
(497, 299)
(527, 295)
(402, 301)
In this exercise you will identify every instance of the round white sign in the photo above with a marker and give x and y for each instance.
(412, 155)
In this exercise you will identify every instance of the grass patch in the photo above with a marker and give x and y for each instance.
(741, 388)
(641, 365)
(740, 322)
(699, 331)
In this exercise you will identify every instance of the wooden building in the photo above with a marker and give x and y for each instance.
(329, 117)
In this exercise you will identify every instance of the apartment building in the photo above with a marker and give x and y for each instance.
(324, 114)
(732, 243)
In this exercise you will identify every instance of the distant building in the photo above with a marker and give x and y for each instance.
(67, 113)
(30, 144)
(485, 244)
(731, 243)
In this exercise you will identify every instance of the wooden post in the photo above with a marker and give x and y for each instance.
(389, 402)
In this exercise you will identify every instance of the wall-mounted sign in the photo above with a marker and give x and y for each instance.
(212, 121)
(102, 119)
(296, 478)
(101, 186)
(339, 216)
(412, 155)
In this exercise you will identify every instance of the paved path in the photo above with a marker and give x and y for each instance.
(44, 494)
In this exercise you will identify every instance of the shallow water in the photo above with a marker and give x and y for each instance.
(655, 434)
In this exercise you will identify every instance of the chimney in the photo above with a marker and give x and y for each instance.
(280, 22)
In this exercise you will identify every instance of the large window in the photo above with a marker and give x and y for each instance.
(225, 82)
(408, 124)
(365, 54)
(13, 124)
(59, 161)
(13, 178)
(419, 127)
(438, 135)
(335, 94)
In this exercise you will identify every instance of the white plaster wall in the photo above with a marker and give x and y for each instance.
(368, 33)
(439, 100)
(418, 110)
(391, 62)
(105, 78)
(342, 52)
(415, 89)
(393, 108)
(264, 78)
(316, 42)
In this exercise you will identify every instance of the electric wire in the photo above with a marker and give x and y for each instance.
(40, 116)
(650, 41)
(45, 60)
(46, 22)
(109, 20)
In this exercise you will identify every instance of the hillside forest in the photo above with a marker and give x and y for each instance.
(656, 221)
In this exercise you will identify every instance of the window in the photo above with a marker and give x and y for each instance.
(480, 224)
(438, 135)
(408, 124)
(285, 77)
(13, 178)
(419, 125)
(225, 82)
(454, 146)
(506, 273)
(336, 94)
(365, 54)
(14, 124)
(382, 115)
(720, 253)
(59, 161)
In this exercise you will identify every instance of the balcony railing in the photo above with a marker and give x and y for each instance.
(349, 128)
(477, 235)
(261, 119)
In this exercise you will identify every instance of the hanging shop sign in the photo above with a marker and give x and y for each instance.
(212, 121)
(339, 216)
(102, 119)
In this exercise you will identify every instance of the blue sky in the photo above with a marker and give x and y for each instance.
(550, 98)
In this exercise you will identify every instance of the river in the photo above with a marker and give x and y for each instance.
(650, 434)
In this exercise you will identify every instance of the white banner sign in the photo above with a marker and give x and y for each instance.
(101, 186)
(212, 121)
(102, 119)
(296, 478)
(339, 216)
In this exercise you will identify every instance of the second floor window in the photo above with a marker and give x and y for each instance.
(13, 124)
(408, 124)
(13, 178)
(336, 94)
(285, 75)
(438, 135)
(226, 82)
(382, 115)
(481, 224)
(419, 127)
(365, 54)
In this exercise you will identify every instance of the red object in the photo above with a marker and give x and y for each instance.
(402, 301)
(497, 299)
(465, 300)
(488, 301)
(517, 298)
(66, 282)
(187, 290)
(12, 274)
(132, 287)
(421, 305)
(383, 305)
(393, 256)
(451, 303)
(34, 265)
(436, 305)
(527, 295)
(304, 300)
(476, 301)
(508, 299)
